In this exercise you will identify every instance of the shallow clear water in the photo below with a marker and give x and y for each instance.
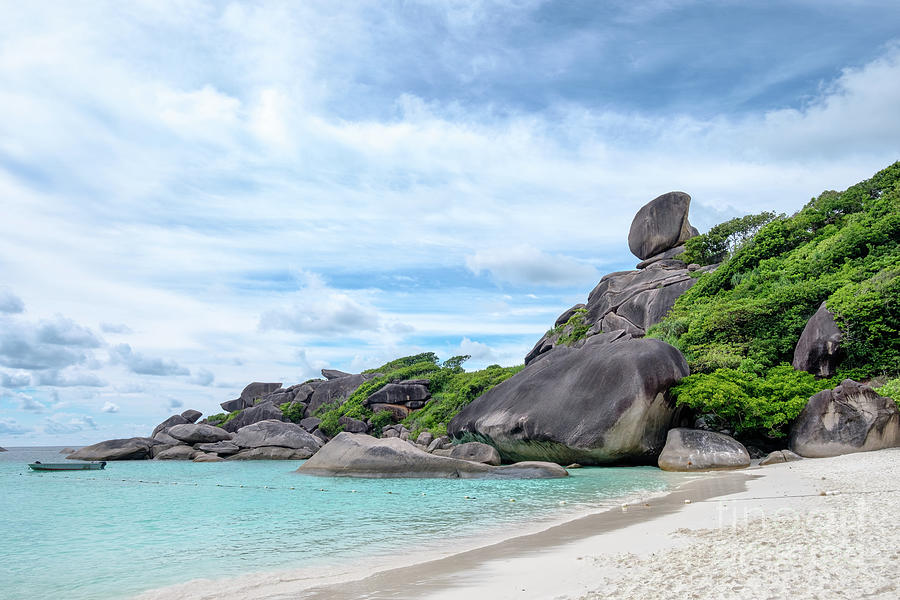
(139, 525)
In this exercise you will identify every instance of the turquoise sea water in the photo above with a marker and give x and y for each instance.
(140, 525)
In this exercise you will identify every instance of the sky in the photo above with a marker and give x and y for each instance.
(197, 195)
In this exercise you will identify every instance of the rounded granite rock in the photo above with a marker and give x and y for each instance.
(701, 450)
(661, 224)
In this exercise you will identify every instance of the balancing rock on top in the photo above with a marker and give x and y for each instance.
(660, 225)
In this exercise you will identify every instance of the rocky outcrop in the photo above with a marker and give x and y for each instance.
(352, 425)
(601, 404)
(400, 398)
(207, 457)
(137, 448)
(2, 449)
(276, 433)
(170, 422)
(310, 423)
(198, 433)
(355, 455)
(264, 411)
(819, 347)
(476, 452)
(272, 453)
(700, 450)
(779, 456)
(224, 448)
(335, 391)
(850, 418)
(191, 415)
(180, 452)
(249, 395)
(333, 374)
(661, 224)
(164, 438)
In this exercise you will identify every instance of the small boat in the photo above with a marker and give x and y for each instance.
(74, 466)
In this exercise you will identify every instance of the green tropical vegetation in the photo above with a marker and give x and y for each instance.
(738, 325)
(450, 386)
(574, 329)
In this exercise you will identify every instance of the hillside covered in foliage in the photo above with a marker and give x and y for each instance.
(738, 325)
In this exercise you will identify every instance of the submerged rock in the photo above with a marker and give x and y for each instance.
(356, 455)
(819, 346)
(850, 418)
(603, 403)
(136, 448)
(700, 450)
(477, 452)
(208, 457)
(180, 452)
(272, 453)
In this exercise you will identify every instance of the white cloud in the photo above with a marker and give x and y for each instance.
(145, 365)
(203, 377)
(12, 427)
(9, 302)
(319, 309)
(526, 265)
(110, 407)
(16, 380)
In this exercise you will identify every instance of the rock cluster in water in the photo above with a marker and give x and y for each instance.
(594, 391)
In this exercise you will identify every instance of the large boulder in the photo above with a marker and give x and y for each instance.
(136, 448)
(334, 374)
(276, 433)
(226, 447)
(699, 450)
(334, 391)
(357, 455)
(198, 433)
(310, 423)
(352, 425)
(661, 224)
(778, 457)
(207, 457)
(604, 403)
(403, 392)
(164, 438)
(249, 395)
(191, 415)
(180, 452)
(850, 418)
(272, 453)
(170, 422)
(818, 349)
(477, 452)
(264, 411)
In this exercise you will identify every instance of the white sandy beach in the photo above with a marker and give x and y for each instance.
(810, 529)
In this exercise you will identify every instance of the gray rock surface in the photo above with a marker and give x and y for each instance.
(170, 422)
(701, 450)
(355, 455)
(224, 448)
(249, 395)
(137, 448)
(335, 391)
(264, 411)
(352, 425)
(425, 438)
(779, 456)
(276, 433)
(566, 315)
(198, 433)
(477, 452)
(164, 438)
(333, 374)
(668, 254)
(191, 415)
(603, 403)
(310, 423)
(661, 224)
(818, 350)
(272, 453)
(403, 392)
(207, 457)
(2, 449)
(850, 418)
(180, 452)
